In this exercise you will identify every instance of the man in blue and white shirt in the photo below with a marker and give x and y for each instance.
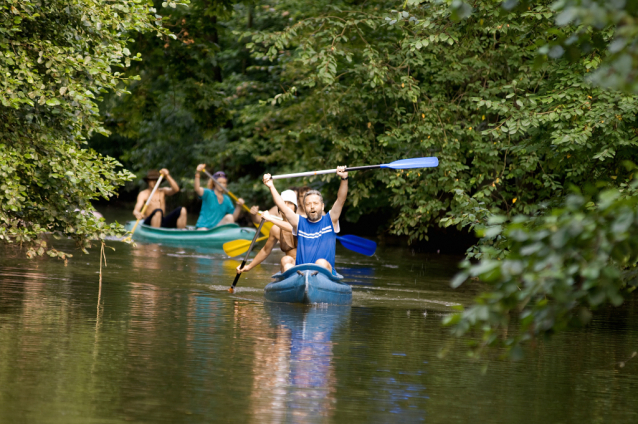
(316, 234)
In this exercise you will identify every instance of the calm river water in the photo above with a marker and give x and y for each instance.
(168, 344)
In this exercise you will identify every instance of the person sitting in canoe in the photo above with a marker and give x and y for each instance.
(217, 208)
(287, 242)
(316, 234)
(299, 192)
(157, 205)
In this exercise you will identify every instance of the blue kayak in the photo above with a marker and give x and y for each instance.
(308, 283)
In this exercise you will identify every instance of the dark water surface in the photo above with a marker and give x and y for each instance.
(169, 344)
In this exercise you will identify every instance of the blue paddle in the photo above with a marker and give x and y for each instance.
(358, 244)
(430, 162)
(354, 243)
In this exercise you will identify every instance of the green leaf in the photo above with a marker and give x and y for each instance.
(52, 102)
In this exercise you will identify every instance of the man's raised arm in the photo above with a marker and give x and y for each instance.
(292, 217)
(174, 188)
(335, 212)
(276, 220)
(198, 188)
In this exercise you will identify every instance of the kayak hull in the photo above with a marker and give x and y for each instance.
(214, 237)
(308, 284)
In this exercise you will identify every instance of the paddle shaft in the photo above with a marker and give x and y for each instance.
(278, 218)
(252, 244)
(225, 190)
(325, 171)
(157, 184)
(429, 162)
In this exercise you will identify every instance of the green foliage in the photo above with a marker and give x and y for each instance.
(499, 92)
(595, 20)
(548, 270)
(56, 58)
(560, 265)
(369, 86)
(592, 25)
(181, 109)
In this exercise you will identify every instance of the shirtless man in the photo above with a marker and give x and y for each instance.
(287, 242)
(157, 206)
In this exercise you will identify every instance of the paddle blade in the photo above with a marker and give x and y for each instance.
(430, 162)
(358, 244)
(236, 247)
(239, 247)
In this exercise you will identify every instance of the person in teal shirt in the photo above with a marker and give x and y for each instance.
(217, 208)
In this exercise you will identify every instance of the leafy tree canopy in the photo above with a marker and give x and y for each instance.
(56, 59)
(514, 99)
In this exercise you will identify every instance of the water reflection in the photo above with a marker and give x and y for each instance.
(295, 380)
(150, 257)
(360, 276)
(147, 256)
(164, 348)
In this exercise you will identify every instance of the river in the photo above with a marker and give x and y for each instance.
(164, 342)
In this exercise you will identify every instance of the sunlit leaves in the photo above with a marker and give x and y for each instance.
(502, 127)
(579, 255)
(55, 57)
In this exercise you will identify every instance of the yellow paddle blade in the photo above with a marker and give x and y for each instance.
(130, 237)
(239, 247)
(236, 247)
(230, 265)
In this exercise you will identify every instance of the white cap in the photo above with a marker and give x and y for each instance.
(289, 196)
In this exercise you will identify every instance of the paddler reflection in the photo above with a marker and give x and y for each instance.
(147, 256)
(299, 383)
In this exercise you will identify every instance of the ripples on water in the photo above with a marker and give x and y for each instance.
(169, 344)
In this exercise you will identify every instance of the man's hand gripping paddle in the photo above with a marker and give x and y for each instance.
(252, 244)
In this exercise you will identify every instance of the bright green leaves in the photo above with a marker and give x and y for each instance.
(54, 56)
(496, 121)
(52, 102)
(572, 256)
(606, 26)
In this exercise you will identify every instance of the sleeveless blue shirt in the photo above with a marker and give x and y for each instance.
(316, 240)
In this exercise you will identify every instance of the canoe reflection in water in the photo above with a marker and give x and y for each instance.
(298, 382)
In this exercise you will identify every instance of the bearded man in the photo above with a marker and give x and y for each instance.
(316, 233)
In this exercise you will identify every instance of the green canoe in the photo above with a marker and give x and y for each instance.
(215, 237)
